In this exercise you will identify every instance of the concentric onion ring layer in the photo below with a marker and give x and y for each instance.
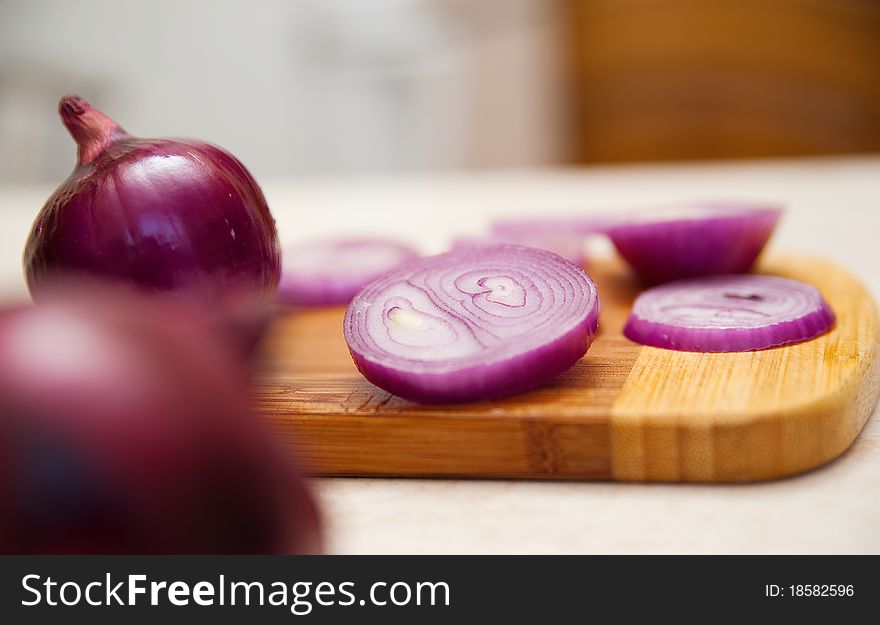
(325, 272)
(473, 309)
(728, 313)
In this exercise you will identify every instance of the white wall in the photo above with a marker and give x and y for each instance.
(289, 87)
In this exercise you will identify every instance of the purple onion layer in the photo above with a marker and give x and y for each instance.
(571, 248)
(330, 272)
(472, 324)
(694, 240)
(729, 314)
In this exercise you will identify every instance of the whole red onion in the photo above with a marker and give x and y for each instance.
(125, 428)
(173, 215)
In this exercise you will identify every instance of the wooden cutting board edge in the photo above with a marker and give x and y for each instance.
(775, 437)
(341, 425)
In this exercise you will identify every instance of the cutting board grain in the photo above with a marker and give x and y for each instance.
(624, 412)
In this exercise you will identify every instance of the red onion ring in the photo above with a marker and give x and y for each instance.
(472, 324)
(694, 239)
(571, 248)
(331, 272)
(728, 314)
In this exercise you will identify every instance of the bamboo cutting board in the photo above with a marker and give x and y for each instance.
(624, 412)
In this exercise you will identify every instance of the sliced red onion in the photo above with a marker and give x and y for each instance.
(472, 324)
(571, 248)
(330, 272)
(694, 239)
(728, 314)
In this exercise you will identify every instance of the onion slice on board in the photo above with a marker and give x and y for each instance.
(728, 314)
(472, 324)
(571, 248)
(330, 272)
(694, 240)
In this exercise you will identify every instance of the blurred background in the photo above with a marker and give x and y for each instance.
(346, 86)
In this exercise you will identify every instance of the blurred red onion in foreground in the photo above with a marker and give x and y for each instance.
(125, 428)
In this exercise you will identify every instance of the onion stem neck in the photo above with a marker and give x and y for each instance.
(90, 128)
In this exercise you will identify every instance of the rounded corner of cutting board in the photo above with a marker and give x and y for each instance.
(625, 412)
(757, 415)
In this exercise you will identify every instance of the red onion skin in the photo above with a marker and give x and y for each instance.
(125, 428)
(171, 215)
(687, 248)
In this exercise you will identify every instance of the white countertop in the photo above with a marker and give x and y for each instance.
(834, 210)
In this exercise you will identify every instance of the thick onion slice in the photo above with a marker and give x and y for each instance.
(330, 272)
(728, 314)
(694, 240)
(472, 324)
(571, 248)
